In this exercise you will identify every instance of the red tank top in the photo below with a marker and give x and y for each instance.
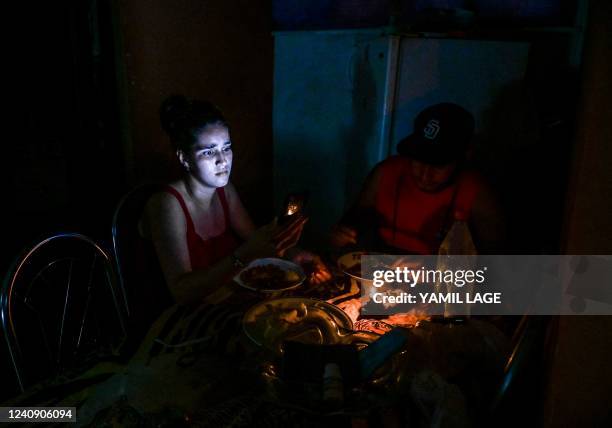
(416, 221)
(206, 252)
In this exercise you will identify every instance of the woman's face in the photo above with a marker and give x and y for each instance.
(431, 178)
(209, 161)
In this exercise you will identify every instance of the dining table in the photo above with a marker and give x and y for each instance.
(197, 367)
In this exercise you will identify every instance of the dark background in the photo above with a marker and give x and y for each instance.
(85, 79)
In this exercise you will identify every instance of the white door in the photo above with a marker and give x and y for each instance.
(328, 100)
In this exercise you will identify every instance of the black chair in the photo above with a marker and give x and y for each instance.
(525, 373)
(136, 261)
(61, 308)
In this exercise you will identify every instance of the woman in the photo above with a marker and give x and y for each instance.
(201, 232)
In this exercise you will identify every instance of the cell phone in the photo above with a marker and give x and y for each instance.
(294, 204)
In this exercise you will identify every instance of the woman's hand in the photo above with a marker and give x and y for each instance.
(343, 235)
(314, 267)
(271, 240)
(288, 234)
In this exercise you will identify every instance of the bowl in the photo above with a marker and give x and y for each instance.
(271, 284)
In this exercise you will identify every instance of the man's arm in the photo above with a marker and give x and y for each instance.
(361, 215)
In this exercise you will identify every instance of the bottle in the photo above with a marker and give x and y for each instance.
(457, 252)
(333, 386)
(458, 240)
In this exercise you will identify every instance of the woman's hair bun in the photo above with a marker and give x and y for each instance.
(170, 112)
(184, 119)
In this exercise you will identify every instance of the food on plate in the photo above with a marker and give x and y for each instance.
(372, 325)
(277, 320)
(351, 264)
(357, 271)
(351, 307)
(275, 323)
(408, 319)
(269, 277)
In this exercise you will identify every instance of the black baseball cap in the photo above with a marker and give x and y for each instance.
(442, 133)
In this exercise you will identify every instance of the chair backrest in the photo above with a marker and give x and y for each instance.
(524, 371)
(61, 308)
(139, 271)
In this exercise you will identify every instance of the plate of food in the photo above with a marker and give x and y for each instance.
(271, 275)
(271, 322)
(350, 264)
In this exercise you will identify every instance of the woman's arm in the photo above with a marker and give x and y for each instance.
(166, 225)
(167, 230)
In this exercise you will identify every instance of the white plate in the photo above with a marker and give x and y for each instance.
(349, 261)
(285, 265)
(306, 320)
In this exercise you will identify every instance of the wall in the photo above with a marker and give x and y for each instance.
(579, 393)
(60, 165)
(216, 50)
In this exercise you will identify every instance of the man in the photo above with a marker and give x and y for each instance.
(409, 201)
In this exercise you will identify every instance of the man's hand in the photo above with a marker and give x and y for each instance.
(313, 266)
(343, 235)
